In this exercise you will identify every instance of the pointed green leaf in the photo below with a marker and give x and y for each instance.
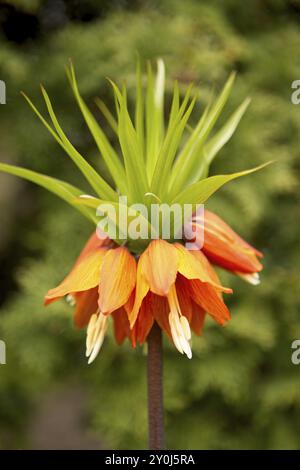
(221, 138)
(92, 177)
(187, 150)
(117, 95)
(199, 192)
(215, 144)
(96, 181)
(185, 168)
(134, 161)
(137, 183)
(139, 110)
(169, 148)
(107, 114)
(109, 155)
(64, 190)
(154, 115)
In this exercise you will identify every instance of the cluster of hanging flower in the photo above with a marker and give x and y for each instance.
(167, 283)
(136, 283)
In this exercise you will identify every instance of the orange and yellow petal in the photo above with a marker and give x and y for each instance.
(176, 291)
(225, 247)
(141, 290)
(93, 244)
(117, 279)
(194, 265)
(156, 271)
(169, 284)
(145, 319)
(159, 265)
(209, 300)
(84, 276)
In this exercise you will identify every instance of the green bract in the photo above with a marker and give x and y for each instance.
(157, 161)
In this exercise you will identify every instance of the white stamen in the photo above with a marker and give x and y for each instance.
(186, 327)
(174, 333)
(92, 323)
(96, 348)
(90, 333)
(186, 347)
(95, 335)
(252, 278)
(71, 300)
(179, 325)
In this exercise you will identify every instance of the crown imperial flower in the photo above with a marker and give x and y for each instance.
(137, 282)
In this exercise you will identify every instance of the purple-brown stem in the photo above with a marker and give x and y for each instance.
(155, 389)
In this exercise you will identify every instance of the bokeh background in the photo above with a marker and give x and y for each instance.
(240, 390)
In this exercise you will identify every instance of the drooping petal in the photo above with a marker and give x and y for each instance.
(84, 276)
(121, 325)
(117, 279)
(161, 310)
(198, 317)
(141, 290)
(184, 299)
(225, 247)
(145, 319)
(159, 264)
(86, 305)
(208, 298)
(93, 244)
(130, 303)
(194, 265)
(212, 273)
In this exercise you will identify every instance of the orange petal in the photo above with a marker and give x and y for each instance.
(198, 317)
(93, 244)
(207, 297)
(86, 305)
(161, 310)
(117, 279)
(159, 264)
(84, 276)
(226, 248)
(184, 299)
(121, 325)
(212, 274)
(141, 291)
(145, 319)
(130, 303)
(194, 265)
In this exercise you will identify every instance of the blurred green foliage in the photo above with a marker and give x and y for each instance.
(241, 389)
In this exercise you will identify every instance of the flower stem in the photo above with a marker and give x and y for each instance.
(155, 389)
